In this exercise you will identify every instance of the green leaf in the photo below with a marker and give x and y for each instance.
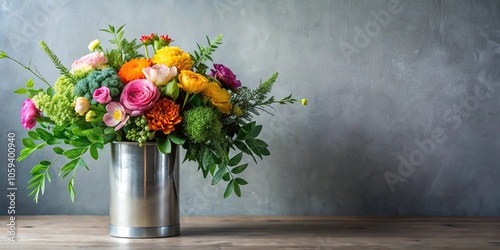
(164, 145)
(74, 153)
(68, 167)
(43, 134)
(28, 142)
(239, 169)
(243, 147)
(78, 132)
(3, 54)
(21, 91)
(50, 91)
(71, 189)
(58, 150)
(226, 176)
(177, 138)
(235, 160)
(33, 135)
(229, 189)
(218, 176)
(241, 181)
(172, 89)
(94, 136)
(45, 163)
(255, 131)
(80, 142)
(109, 130)
(93, 152)
(82, 163)
(237, 189)
(30, 84)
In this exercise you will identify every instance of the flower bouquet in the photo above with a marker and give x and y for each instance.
(166, 96)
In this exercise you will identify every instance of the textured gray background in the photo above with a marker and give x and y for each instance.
(407, 91)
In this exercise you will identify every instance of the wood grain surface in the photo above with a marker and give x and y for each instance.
(90, 232)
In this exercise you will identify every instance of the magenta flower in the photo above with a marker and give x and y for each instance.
(138, 96)
(225, 76)
(29, 113)
(102, 95)
(116, 115)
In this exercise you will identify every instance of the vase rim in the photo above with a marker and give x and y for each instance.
(133, 142)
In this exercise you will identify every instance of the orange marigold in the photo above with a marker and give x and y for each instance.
(132, 70)
(164, 115)
(173, 56)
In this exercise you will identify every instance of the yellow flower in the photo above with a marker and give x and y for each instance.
(218, 96)
(94, 44)
(173, 56)
(90, 116)
(191, 82)
(304, 101)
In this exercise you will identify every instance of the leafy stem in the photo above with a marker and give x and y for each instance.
(27, 67)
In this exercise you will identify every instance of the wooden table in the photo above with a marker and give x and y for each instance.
(70, 232)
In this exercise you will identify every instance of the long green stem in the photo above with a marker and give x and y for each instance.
(37, 74)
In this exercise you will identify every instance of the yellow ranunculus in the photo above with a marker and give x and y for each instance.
(173, 56)
(218, 96)
(191, 82)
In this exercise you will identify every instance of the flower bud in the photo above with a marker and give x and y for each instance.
(94, 44)
(90, 116)
(81, 105)
(304, 101)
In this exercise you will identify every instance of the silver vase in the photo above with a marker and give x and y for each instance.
(144, 191)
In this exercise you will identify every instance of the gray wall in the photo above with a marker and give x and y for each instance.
(403, 101)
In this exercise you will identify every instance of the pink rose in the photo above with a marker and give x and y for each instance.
(102, 95)
(139, 95)
(29, 113)
(95, 60)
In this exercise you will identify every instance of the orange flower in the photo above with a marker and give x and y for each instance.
(218, 96)
(173, 56)
(132, 70)
(164, 115)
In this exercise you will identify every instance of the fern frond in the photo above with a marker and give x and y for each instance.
(57, 63)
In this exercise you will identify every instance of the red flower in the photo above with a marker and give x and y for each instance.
(148, 39)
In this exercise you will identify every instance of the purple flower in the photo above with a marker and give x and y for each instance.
(225, 76)
(29, 113)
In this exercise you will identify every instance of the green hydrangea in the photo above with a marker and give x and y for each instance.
(58, 107)
(96, 79)
(202, 125)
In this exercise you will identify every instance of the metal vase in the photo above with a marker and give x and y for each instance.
(144, 191)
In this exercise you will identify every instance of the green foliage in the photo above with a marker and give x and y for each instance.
(125, 51)
(80, 138)
(57, 63)
(204, 53)
(96, 79)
